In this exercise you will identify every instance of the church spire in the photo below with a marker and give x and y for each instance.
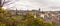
(39, 9)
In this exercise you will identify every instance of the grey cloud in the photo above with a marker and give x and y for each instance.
(37, 4)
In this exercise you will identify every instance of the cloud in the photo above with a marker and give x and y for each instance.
(35, 4)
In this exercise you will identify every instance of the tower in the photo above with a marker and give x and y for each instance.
(39, 9)
(16, 12)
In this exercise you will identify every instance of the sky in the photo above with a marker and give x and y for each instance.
(44, 5)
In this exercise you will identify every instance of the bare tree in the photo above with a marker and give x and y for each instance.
(2, 2)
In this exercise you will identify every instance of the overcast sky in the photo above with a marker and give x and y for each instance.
(45, 5)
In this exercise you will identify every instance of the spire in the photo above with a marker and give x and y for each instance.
(16, 11)
(39, 9)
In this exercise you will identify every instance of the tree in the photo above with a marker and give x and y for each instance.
(3, 2)
(3, 12)
(2, 24)
(31, 21)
